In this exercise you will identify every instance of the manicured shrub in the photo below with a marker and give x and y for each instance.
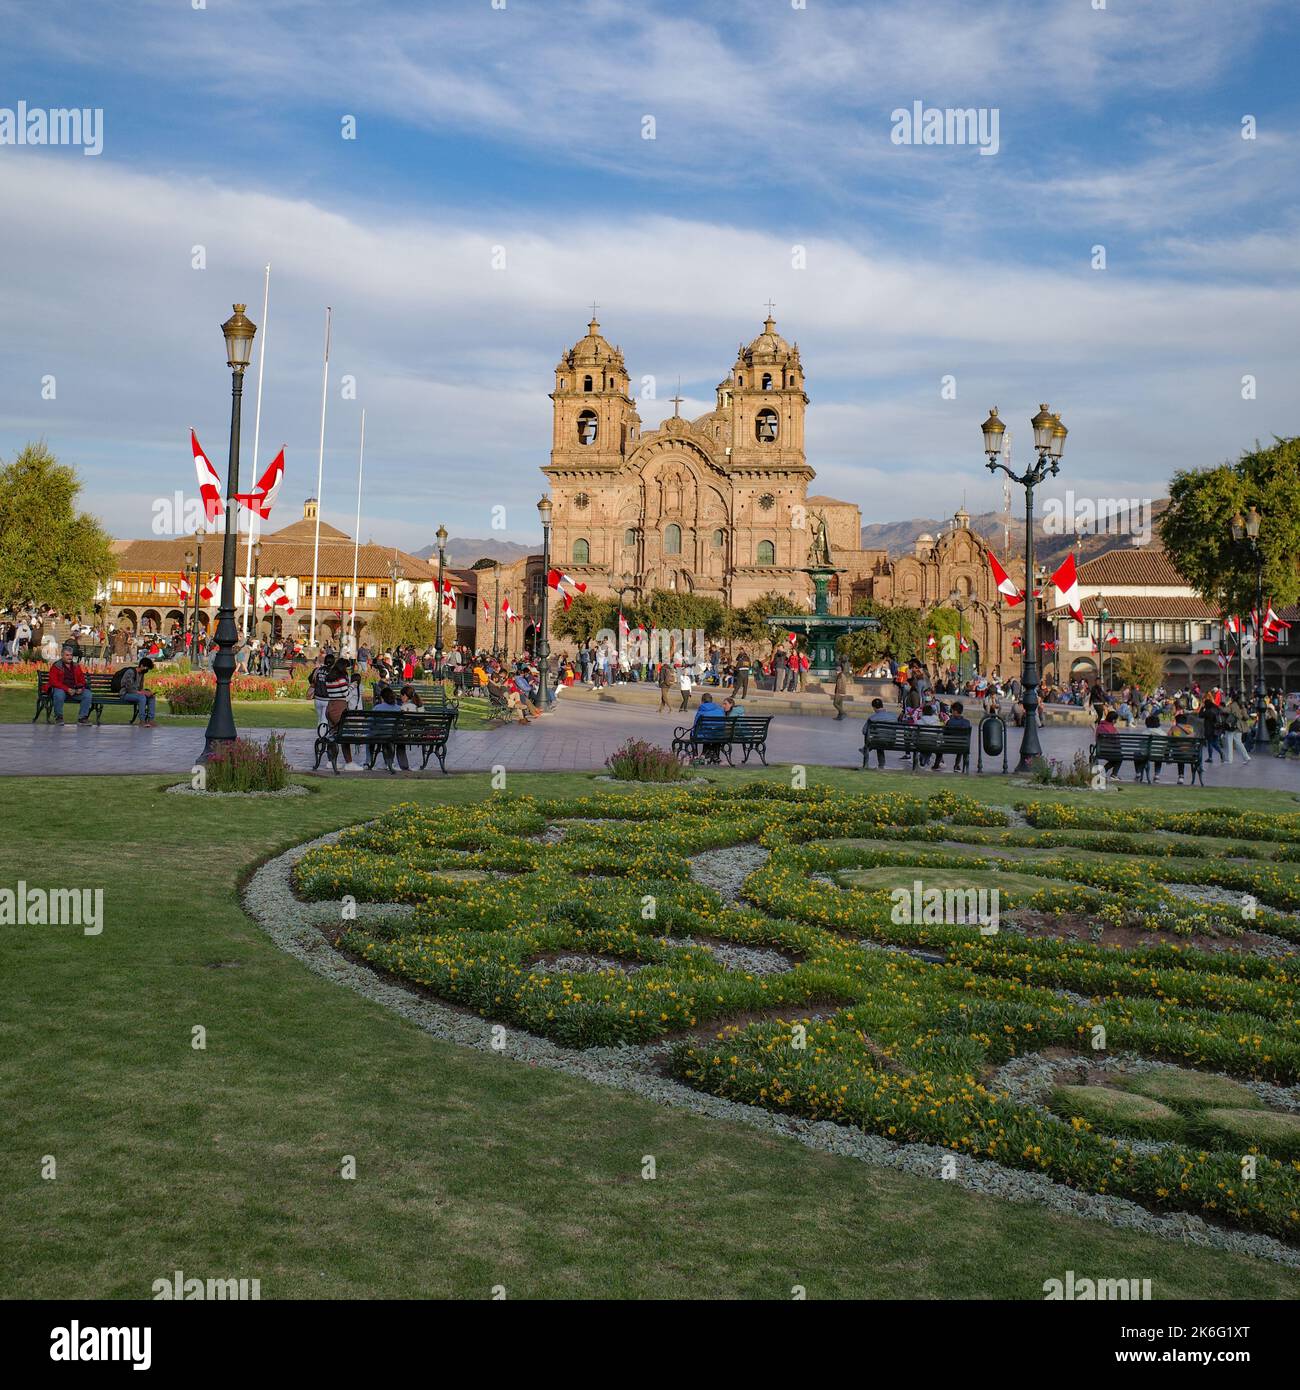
(639, 761)
(248, 766)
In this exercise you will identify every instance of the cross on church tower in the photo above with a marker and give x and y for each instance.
(594, 307)
(771, 304)
(677, 400)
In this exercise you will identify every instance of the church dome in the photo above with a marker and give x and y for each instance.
(593, 349)
(769, 346)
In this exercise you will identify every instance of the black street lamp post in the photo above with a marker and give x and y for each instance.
(238, 331)
(1049, 442)
(1245, 531)
(544, 646)
(441, 607)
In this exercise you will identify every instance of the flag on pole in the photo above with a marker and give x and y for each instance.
(210, 588)
(262, 497)
(510, 614)
(1066, 583)
(963, 643)
(1111, 639)
(183, 586)
(623, 628)
(1006, 585)
(209, 483)
(930, 642)
(1017, 644)
(1049, 645)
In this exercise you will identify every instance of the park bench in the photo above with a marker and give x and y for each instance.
(1144, 749)
(888, 736)
(101, 692)
(714, 738)
(433, 694)
(383, 733)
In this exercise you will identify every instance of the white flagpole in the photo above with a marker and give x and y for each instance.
(320, 477)
(257, 436)
(356, 538)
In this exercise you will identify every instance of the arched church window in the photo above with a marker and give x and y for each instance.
(561, 383)
(586, 383)
(765, 426)
(740, 381)
(766, 553)
(587, 427)
(582, 552)
(717, 540)
(673, 540)
(767, 381)
(629, 536)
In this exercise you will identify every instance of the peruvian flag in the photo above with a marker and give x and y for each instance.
(209, 590)
(1066, 583)
(964, 644)
(563, 584)
(1049, 645)
(183, 586)
(1111, 639)
(1017, 644)
(487, 607)
(1222, 660)
(276, 596)
(1006, 585)
(1232, 624)
(930, 642)
(448, 594)
(623, 628)
(1271, 620)
(262, 497)
(511, 615)
(209, 483)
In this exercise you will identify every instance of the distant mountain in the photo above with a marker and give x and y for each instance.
(899, 537)
(462, 553)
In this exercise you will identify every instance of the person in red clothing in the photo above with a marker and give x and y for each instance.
(68, 679)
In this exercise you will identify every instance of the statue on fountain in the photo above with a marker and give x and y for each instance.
(819, 551)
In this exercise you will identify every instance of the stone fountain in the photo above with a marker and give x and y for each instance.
(821, 627)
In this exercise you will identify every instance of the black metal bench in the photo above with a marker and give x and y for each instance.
(433, 694)
(102, 695)
(714, 738)
(1144, 749)
(889, 736)
(384, 733)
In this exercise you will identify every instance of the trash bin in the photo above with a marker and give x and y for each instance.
(993, 740)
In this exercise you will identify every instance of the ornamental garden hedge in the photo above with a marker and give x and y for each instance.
(1167, 939)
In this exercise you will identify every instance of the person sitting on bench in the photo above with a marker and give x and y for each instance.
(708, 709)
(1106, 729)
(386, 703)
(879, 715)
(129, 684)
(956, 720)
(68, 678)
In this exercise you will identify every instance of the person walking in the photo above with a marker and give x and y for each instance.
(741, 684)
(667, 682)
(1233, 720)
(684, 684)
(841, 690)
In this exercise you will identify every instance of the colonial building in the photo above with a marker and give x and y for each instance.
(717, 505)
(1147, 601)
(144, 594)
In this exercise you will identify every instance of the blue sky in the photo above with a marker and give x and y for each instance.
(481, 127)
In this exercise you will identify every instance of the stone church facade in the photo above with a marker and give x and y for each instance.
(719, 505)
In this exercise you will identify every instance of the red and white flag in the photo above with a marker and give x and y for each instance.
(930, 642)
(1006, 585)
(1232, 624)
(448, 594)
(1017, 644)
(564, 584)
(276, 597)
(210, 588)
(1271, 620)
(964, 644)
(511, 615)
(1066, 583)
(262, 497)
(183, 586)
(209, 483)
(1111, 639)
(1049, 645)
(1222, 660)
(623, 628)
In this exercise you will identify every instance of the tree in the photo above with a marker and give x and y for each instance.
(401, 623)
(901, 634)
(749, 625)
(1195, 527)
(49, 552)
(584, 618)
(1142, 665)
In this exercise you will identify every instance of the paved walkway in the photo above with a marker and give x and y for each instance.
(576, 737)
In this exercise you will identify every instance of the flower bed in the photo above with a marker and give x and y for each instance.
(196, 691)
(858, 1030)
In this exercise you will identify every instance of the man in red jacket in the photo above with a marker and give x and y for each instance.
(68, 679)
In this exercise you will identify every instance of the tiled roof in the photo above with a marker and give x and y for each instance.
(283, 557)
(1147, 566)
(1160, 607)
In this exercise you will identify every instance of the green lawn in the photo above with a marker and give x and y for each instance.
(18, 703)
(472, 1170)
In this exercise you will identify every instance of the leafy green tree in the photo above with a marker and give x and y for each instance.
(587, 616)
(1195, 527)
(49, 552)
(901, 634)
(749, 625)
(1142, 665)
(401, 623)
